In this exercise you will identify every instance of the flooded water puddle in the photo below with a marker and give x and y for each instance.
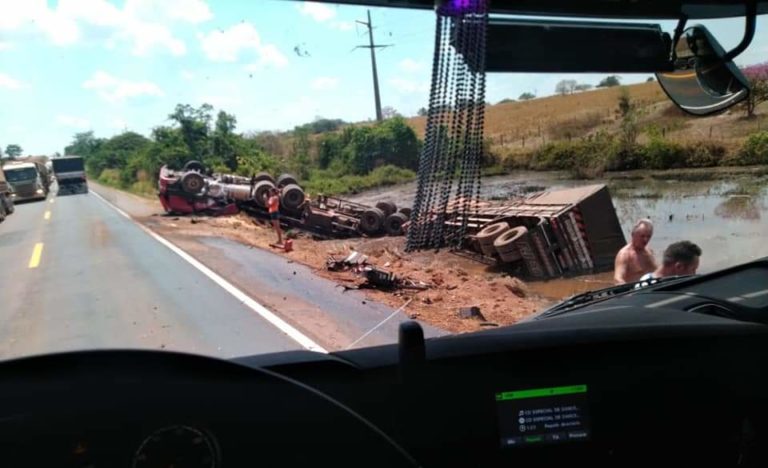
(723, 210)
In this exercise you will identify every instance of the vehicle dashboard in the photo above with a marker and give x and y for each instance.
(688, 395)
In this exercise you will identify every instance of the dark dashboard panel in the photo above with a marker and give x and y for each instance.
(679, 400)
(661, 398)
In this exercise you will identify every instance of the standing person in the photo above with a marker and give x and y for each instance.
(636, 259)
(680, 259)
(273, 205)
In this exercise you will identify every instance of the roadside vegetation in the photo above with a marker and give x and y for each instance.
(326, 155)
(581, 130)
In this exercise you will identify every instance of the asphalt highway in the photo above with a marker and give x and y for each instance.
(75, 274)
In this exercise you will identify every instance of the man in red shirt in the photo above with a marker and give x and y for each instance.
(273, 205)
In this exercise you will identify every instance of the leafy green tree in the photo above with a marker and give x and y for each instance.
(119, 152)
(224, 140)
(609, 81)
(195, 125)
(13, 151)
(322, 125)
(83, 144)
(526, 96)
(300, 154)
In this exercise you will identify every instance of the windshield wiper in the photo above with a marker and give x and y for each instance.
(591, 297)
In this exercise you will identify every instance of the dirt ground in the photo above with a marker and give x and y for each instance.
(453, 282)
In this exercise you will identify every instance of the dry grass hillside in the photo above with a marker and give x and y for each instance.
(524, 125)
(545, 118)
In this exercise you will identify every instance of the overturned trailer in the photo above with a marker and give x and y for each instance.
(549, 234)
(193, 190)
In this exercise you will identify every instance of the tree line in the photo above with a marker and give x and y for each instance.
(320, 149)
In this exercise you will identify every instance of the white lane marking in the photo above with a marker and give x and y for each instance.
(52, 200)
(751, 295)
(265, 313)
(380, 324)
(671, 300)
(756, 294)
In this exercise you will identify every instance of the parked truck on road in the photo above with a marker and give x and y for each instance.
(6, 203)
(70, 174)
(27, 180)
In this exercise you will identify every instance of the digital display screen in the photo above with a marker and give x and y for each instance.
(543, 416)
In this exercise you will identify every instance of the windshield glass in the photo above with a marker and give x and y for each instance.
(251, 176)
(18, 175)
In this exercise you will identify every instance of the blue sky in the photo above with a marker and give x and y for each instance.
(74, 65)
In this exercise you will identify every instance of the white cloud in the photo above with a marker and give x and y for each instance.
(113, 89)
(4, 45)
(317, 11)
(271, 55)
(324, 83)
(118, 123)
(411, 66)
(10, 83)
(144, 24)
(243, 38)
(188, 11)
(409, 86)
(73, 121)
(146, 36)
(343, 25)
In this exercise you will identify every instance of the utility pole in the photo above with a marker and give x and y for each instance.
(373, 47)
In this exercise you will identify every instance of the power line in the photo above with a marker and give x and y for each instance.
(371, 45)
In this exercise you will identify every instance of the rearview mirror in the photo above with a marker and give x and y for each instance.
(702, 82)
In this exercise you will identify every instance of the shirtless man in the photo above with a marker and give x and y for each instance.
(636, 259)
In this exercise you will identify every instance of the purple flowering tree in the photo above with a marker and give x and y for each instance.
(758, 80)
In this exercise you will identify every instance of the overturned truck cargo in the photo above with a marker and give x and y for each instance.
(550, 234)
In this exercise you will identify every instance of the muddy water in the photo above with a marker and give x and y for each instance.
(724, 211)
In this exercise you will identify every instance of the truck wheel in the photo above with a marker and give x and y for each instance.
(192, 182)
(2, 212)
(194, 166)
(406, 212)
(291, 197)
(371, 221)
(488, 234)
(261, 176)
(9, 208)
(394, 224)
(286, 179)
(387, 207)
(505, 244)
(261, 188)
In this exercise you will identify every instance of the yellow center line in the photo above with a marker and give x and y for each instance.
(683, 76)
(47, 215)
(34, 261)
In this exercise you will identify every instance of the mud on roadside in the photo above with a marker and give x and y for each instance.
(455, 282)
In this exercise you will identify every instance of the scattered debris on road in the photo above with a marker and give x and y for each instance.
(471, 312)
(538, 236)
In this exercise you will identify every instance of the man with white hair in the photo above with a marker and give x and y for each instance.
(636, 259)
